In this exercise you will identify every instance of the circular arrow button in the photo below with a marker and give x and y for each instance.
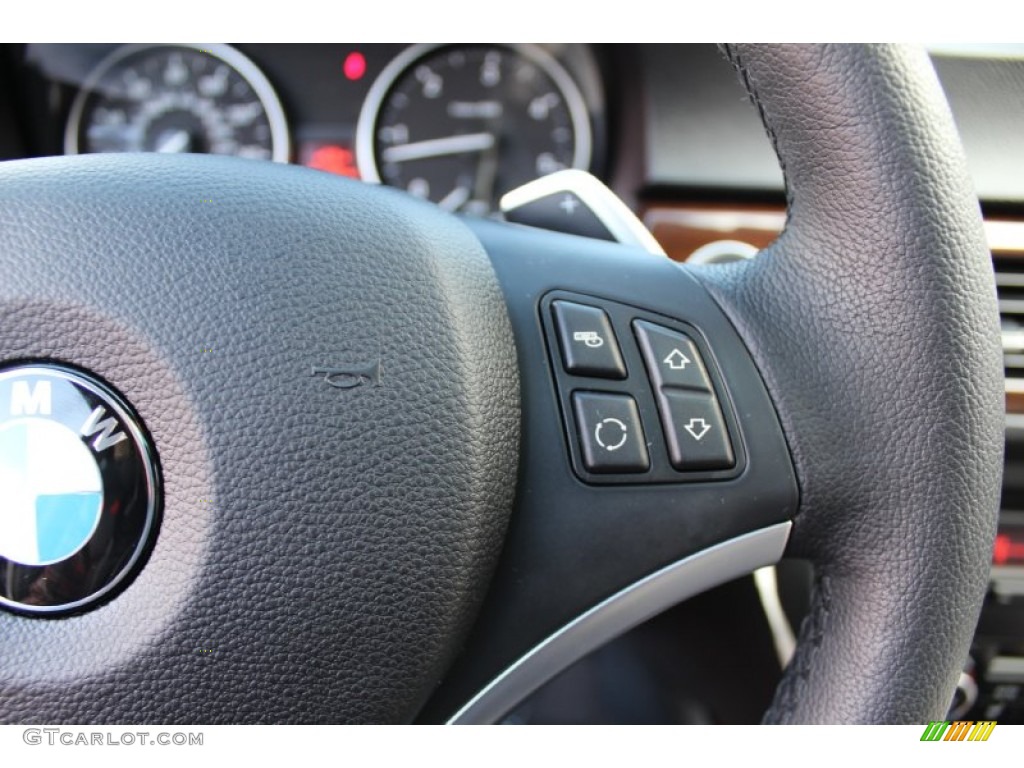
(611, 437)
(615, 432)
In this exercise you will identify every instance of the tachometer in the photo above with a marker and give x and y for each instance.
(462, 125)
(178, 98)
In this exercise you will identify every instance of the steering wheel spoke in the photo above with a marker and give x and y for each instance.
(652, 464)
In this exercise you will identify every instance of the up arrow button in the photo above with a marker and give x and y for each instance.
(671, 357)
(676, 360)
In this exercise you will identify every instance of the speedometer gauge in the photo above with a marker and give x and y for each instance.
(178, 98)
(462, 125)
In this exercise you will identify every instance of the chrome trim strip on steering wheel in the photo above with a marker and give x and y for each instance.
(621, 612)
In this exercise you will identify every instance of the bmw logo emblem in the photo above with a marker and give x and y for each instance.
(78, 490)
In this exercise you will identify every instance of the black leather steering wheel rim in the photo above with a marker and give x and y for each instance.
(894, 417)
(356, 530)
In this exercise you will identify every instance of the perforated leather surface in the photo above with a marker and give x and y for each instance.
(874, 321)
(322, 550)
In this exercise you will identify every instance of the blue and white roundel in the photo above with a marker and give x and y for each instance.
(79, 503)
(52, 492)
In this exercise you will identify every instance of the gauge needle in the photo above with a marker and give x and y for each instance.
(171, 142)
(486, 175)
(449, 145)
(454, 199)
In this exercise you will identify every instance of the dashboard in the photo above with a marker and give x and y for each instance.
(667, 127)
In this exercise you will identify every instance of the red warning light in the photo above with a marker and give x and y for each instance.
(1007, 551)
(355, 65)
(333, 159)
(1002, 549)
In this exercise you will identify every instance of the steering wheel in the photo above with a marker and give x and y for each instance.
(437, 522)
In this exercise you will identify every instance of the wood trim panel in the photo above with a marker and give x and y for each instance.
(1014, 401)
(682, 229)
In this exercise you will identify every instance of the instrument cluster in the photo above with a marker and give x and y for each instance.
(457, 124)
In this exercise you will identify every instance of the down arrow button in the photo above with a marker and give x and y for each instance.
(695, 431)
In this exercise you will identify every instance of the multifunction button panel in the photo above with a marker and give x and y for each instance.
(641, 397)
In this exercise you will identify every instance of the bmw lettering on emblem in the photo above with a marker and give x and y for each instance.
(78, 490)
